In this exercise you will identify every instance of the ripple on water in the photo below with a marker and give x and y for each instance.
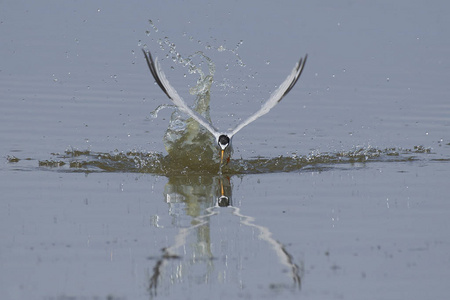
(159, 164)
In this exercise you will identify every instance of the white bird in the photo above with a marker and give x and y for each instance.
(223, 139)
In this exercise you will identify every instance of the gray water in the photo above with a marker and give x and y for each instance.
(340, 192)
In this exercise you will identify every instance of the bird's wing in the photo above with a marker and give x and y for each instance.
(165, 86)
(276, 96)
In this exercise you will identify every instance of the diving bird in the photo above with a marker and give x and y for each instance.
(223, 139)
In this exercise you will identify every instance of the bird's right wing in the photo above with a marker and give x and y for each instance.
(165, 86)
(276, 96)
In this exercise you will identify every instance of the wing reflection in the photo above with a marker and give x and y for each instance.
(216, 244)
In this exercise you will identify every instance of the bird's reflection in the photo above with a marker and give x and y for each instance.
(217, 244)
(224, 196)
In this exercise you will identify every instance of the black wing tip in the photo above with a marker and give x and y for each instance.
(300, 66)
(304, 58)
(151, 64)
(152, 67)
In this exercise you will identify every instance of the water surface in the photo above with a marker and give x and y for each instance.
(340, 192)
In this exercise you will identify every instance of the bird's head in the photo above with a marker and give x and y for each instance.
(224, 142)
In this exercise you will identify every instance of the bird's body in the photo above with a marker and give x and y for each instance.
(223, 140)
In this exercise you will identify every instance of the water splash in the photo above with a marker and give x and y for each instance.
(155, 112)
(186, 141)
(166, 165)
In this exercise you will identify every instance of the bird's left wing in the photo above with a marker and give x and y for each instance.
(165, 86)
(276, 96)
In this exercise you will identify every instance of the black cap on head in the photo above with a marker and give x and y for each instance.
(223, 141)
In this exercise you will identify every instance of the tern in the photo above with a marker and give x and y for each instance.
(223, 139)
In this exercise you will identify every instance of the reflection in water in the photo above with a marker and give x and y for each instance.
(218, 246)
